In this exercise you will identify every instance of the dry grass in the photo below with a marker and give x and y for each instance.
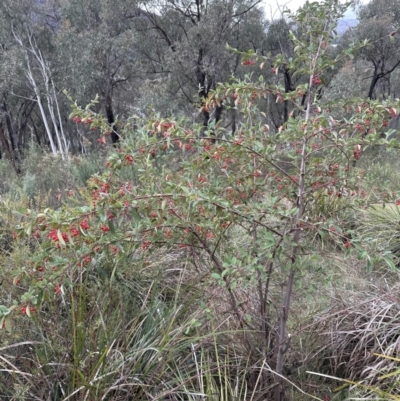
(357, 326)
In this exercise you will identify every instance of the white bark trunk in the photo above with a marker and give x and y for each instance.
(50, 94)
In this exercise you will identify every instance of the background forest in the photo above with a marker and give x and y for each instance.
(198, 203)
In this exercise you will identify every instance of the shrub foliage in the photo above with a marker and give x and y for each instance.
(240, 212)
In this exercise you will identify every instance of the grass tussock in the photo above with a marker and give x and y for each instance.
(354, 330)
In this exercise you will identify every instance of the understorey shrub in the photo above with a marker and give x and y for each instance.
(241, 212)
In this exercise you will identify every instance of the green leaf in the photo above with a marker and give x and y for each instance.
(135, 215)
(4, 311)
(29, 230)
(362, 255)
(225, 272)
(390, 263)
(60, 238)
(111, 226)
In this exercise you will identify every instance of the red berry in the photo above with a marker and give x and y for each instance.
(129, 159)
(145, 245)
(87, 259)
(84, 224)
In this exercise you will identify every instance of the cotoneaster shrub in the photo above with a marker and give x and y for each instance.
(192, 190)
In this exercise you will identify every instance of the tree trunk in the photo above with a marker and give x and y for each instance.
(206, 118)
(372, 85)
(288, 88)
(10, 129)
(111, 119)
(7, 149)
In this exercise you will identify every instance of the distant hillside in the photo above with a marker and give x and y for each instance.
(345, 24)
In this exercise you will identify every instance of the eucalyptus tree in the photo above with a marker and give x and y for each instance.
(282, 50)
(379, 22)
(17, 102)
(96, 41)
(185, 42)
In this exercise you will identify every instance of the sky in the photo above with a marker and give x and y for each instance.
(271, 7)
